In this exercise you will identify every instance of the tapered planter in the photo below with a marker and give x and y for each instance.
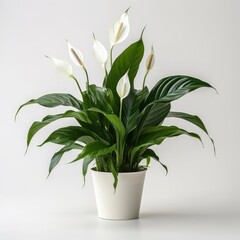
(125, 202)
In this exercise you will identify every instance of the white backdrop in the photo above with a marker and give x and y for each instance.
(198, 38)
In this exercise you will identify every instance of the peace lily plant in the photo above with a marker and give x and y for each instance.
(117, 123)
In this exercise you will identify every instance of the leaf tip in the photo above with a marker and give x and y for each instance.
(216, 90)
(15, 117)
(143, 31)
(84, 182)
(16, 114)
(40, 145)
(214, 148)
(26, 150)
(48, 174)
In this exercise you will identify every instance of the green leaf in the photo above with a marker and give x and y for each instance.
(159, 133)
(194, 120)
(80, 116)
(114, 120)
(153, 114)
(54, 100)
(148, 159)
(129, 60)
(101, 98)
(174, 87)
(95, 149)
(86, 139)
(86, 162)
(156, 135)
(150, 153)
(66, 135)
(58, 155)
(114, 173)
(97, 131)
(36, 126)
(131, 109)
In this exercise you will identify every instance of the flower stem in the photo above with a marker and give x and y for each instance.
(111, 52)
(144, 79)
(106, 75)
(85, 70)
(119, 143)
(76, 81)
(120, 110)
(105, 69)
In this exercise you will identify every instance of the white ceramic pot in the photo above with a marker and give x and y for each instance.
(125, 202)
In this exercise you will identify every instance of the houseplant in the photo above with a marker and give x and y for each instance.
(117, 124)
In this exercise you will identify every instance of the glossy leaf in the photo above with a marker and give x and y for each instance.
(150, 153)
(131, 108)
(114, 120)
(174, 87)
(54, 100)
(114, 173)
(101, 97)
(58, 155)
(66, 135)
(156, 135)
(153, 114)
(95, 149)
(192, 119)
(86, 162)
(159, 133)
(86, 139)
(128, 60)
(36, 126)
(148, 160)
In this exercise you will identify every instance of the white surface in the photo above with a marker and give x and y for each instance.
(41, 217)
(200, 197)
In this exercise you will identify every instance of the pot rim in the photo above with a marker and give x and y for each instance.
(120, 173)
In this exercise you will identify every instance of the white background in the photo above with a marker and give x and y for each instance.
(200, 196)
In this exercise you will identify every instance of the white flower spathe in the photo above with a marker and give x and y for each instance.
(123, 86)
(120, 29)
(100, 52)
(62, 66)
(75, 55)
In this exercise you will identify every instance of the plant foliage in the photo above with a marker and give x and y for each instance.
(117, 134)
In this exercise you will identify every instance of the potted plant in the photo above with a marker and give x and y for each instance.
(116, 124)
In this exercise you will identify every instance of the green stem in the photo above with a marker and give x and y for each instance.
(144, 79)
(76, 81)
(120, 111)
(106, 75)
(85, 70)
(105, 69)
(119, 144)
(111, 52)
(118, 150)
